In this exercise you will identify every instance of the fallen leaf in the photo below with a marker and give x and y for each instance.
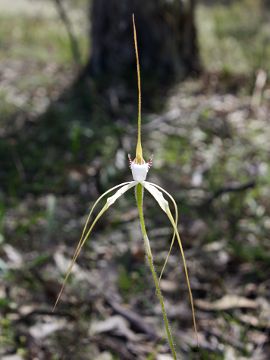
(12, 357)
(13, 255)
(115, 324)
(226, 303)
(42, 330)
(255, 321)
(164, 357)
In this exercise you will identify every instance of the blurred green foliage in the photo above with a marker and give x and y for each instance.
(235, 37)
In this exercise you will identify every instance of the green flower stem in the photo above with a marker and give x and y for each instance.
(139, 197)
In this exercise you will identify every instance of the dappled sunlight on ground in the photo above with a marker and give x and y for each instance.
(211, 151)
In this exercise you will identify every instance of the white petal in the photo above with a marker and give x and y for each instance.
(120, 192)
(163, 203)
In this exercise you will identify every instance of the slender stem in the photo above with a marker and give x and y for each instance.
(139, 155)
(139, 197)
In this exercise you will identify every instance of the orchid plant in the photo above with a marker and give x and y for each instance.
(139, 168)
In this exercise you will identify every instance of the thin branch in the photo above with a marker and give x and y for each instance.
(229, 189)
(68, 25)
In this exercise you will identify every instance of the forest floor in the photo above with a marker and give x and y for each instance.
(211, 151)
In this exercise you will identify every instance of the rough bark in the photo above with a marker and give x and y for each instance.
(166, 37)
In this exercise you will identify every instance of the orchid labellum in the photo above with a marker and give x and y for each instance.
(139, 169)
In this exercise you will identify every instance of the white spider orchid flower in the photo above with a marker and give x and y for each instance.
(139, 169)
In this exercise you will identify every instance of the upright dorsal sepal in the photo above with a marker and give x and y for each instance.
(139, 153)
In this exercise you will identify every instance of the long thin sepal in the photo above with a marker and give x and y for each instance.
(139, 198)
(163, 203)
(91, 211)
(176, 222)
(76, 254)
(109, 202)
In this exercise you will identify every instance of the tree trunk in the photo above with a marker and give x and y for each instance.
(166, 38)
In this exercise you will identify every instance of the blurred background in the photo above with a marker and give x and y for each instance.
(68, 104)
